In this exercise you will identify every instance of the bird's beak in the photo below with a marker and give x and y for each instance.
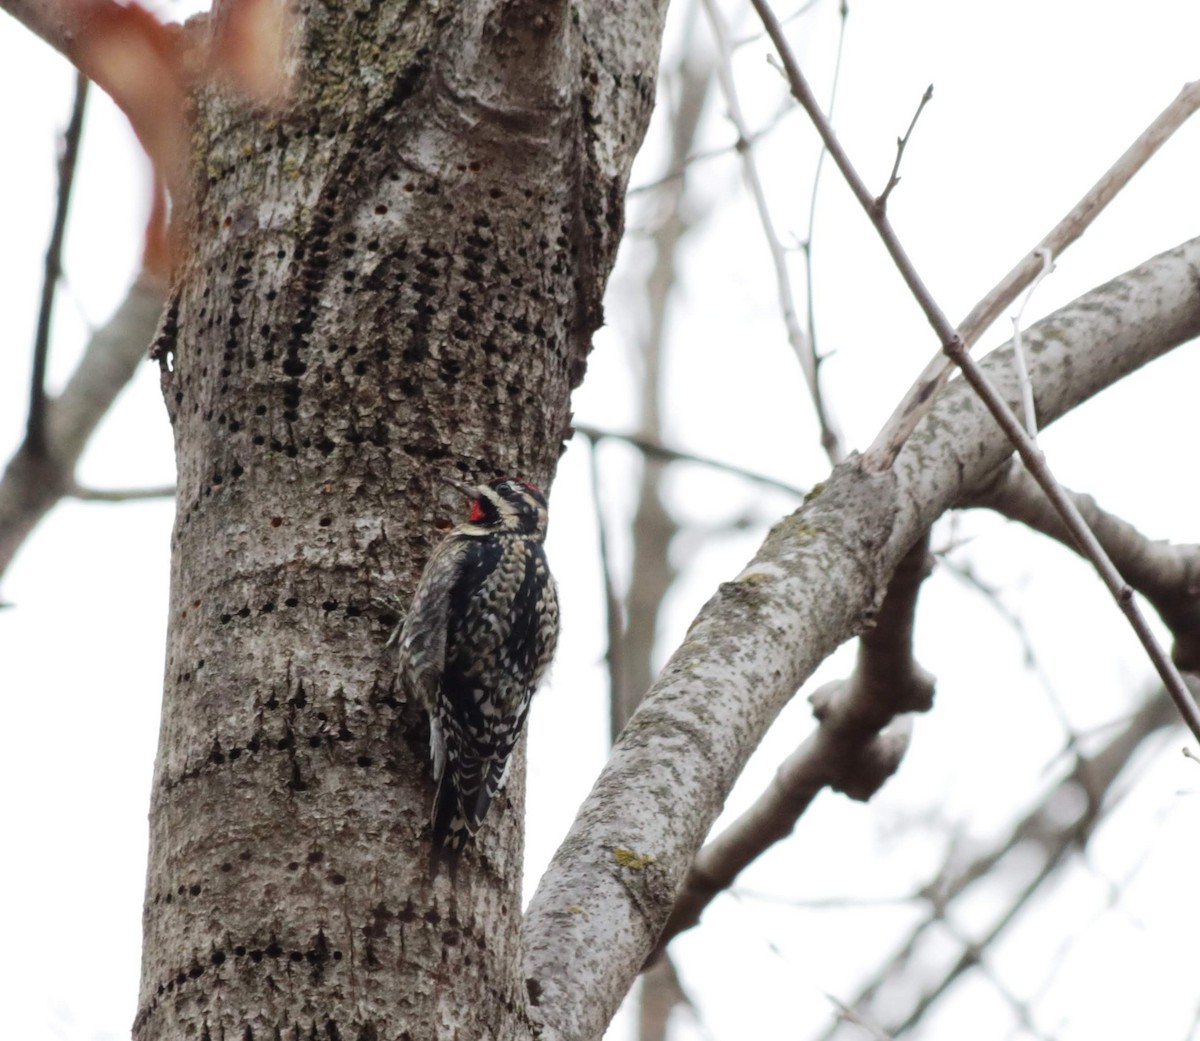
(470, 491)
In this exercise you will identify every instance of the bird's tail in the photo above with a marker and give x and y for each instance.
(462, 801)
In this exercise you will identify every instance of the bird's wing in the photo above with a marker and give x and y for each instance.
(423, 638)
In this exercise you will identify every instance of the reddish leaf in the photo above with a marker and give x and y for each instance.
(248, 47)
(139, 62)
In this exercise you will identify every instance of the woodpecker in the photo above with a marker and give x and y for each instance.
(474, 645)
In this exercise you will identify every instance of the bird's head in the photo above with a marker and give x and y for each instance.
(508, 505)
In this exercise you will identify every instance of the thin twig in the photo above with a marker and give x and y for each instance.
(671, 455)
(826, 903)
(678, 172)
(1023, 381)
(847, 1015)
(828, 436)
(35, 428)
(612, 603)
(800, 12)
(30, 484)
(165, 491)
(1166, 575)
(901, 145)
(1085, 211)
(966, 575)
(969, 957)
(797, 338)
(1030, 659)
(1041, 835)
(916, 402)
(1022, 1011)
(954, 347)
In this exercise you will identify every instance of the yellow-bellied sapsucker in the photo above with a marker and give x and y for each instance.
(474, 645)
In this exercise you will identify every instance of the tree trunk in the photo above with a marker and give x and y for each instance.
(396, 278)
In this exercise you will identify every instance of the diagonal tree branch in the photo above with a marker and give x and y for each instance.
(33, 482)
(857, 746)
(162, 491)
(798, 339)
(1167, 575)
(35, 428)
(1040, 834)
(36, 477)
(658, 452)
(1056, 241)
(814, 583)
(955, 349)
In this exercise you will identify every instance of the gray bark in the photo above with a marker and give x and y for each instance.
(816, 582)
(395, 278)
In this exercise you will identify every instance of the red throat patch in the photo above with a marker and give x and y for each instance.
(476, 511)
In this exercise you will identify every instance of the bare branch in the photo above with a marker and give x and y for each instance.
(847, 1015)
(901, 145)
(901, 423)
(855, 748)
(654, 450)
(1027, 403)
(955, 349)
(662, 993)
(35, 428)
(1041, 833)
(1030, 659)
(1167, 575)
(612, 603)
(1088, 545)
(165, 491)
(32, 484)
(147, 66)
(603, 901)
(802, 92)
(831, 437)
(678, 169)
(818, 358)
(1084, 212)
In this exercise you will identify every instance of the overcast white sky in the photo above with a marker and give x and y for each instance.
(1032, 102)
